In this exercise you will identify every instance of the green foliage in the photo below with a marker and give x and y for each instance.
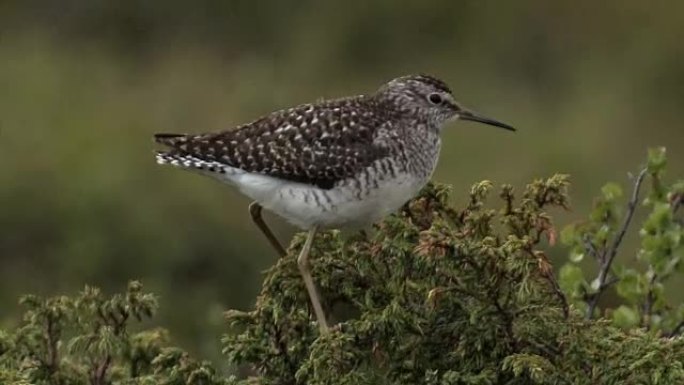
(436, 295)
(86, 340)
(444, 296)
(659, 257)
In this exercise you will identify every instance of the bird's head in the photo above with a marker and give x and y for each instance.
(430, 98)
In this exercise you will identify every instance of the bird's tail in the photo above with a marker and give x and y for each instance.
(171, 140)
(178, 155)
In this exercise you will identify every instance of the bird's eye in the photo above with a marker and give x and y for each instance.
(435, 98)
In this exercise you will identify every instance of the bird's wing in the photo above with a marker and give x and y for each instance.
(317, 144)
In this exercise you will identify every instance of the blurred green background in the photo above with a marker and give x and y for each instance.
(85, 83)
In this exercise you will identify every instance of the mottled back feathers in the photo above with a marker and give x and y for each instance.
(317, 144)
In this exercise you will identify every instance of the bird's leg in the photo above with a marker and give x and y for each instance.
(304, 269)
(255, 211)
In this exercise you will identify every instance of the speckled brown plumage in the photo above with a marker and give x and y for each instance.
(316, 144)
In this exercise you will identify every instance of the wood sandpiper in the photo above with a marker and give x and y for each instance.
(337, 163)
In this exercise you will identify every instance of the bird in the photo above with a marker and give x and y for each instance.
(332, 164)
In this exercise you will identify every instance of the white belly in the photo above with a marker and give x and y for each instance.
(354, 202)
(346, 205)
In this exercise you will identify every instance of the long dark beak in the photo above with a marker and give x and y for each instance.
(475, 117)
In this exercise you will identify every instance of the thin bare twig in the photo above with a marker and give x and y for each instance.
(631, 207)
(606, 261)
(559, 294)
(52, 337)
(677, 203)
(590, 248)
(648, 304)
(100, 374)
(610, 282)
(676, 330)
(547, 273)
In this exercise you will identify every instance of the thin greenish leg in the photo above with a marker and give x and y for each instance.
(304, 269)
(255, 211)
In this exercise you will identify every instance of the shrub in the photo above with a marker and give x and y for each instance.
(436, 295)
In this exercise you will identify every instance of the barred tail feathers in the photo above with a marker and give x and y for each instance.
(186, 161)
(171, 140)
(179, 156)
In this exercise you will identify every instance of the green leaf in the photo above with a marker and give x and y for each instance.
(571, 279)
(569, 235)
(631, 285)
(576, 255)
(625, 317)
(657, 160)
(611, 191)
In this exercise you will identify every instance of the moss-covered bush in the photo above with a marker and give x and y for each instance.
(435, 295)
